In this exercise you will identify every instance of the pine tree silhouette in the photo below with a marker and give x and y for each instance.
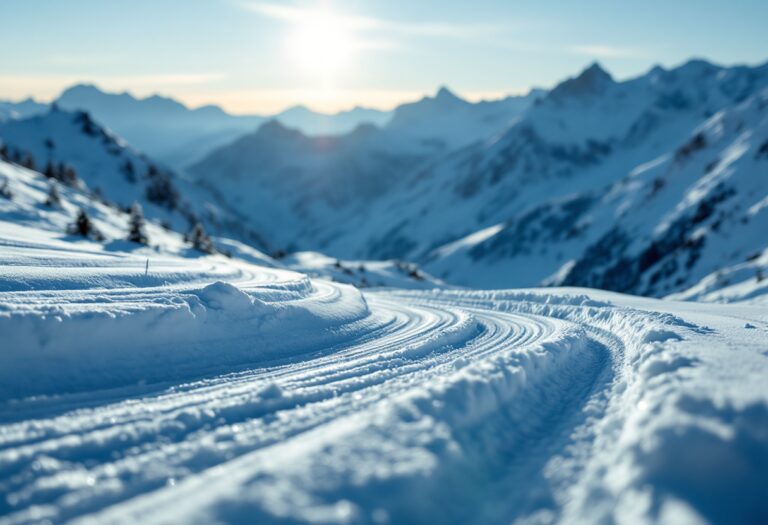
(84, 227)
(28, 161)
(50, 170)
(200, 240)
(129, 171)
(136, 231)
(53, 199)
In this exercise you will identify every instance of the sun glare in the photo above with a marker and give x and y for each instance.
(321, 43)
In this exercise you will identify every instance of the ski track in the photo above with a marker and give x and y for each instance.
(481, 406)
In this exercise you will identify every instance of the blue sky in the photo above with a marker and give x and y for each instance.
(262, 56)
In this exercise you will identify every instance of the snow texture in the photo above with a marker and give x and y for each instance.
(146, 385)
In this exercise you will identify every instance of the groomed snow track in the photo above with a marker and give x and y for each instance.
(211, 392)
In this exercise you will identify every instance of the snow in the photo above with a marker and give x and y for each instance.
(159, 384)
(154, 383)
(315, 186)
(361, 273)
(598, 182)
(101, 160)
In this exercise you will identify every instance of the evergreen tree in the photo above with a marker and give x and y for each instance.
(200, 240)
(161, 191)
(53, 199)
(129, 171)
(69, 176)
(86, 123)
(28, 161)
(50, 170)
(136, 231)
(50, 146)
(84, 227)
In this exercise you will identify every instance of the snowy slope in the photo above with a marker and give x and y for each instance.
(695, 206)
(157, 387)
(106, 165)
(689, 213)
(26, 202)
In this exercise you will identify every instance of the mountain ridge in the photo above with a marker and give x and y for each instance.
(525, 195)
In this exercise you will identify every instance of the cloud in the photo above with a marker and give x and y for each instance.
(297, 15)
(360, 23)
(606, 51)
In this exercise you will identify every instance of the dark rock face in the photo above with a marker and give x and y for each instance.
(547, 223)
(615, 263)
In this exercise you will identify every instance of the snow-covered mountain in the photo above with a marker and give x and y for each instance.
(163, 127)
(651, 185)
(599, 161)
(77, 151)
(22, 109)
(692, 211)
(309, 185)
(538, 195)
(332, 173)
(446, 121)
(178, 135)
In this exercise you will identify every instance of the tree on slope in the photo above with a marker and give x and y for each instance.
(200, 240)
(129, 171)
(136, 231)
(28, 161)
(50, 170)
(84, 227)
(53, 199)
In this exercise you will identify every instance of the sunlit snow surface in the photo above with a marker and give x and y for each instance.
(146, 387)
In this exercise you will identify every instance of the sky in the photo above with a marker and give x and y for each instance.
(253, 56)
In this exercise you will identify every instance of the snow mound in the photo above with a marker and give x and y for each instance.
(228, 298)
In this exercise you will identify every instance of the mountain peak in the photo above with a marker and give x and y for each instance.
(296, 110)
(593, 80)
(594, 74)
(273, 128)
(445, 94)
(89, 96)
(698, 67)
(81, 89)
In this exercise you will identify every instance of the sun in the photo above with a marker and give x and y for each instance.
(321, 43)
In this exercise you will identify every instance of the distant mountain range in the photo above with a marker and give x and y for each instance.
(654, 185)
(23, 109)
(644, 186)
(309, 185)
(177, 135)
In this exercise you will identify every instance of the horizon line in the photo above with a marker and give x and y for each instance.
(196, 102)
